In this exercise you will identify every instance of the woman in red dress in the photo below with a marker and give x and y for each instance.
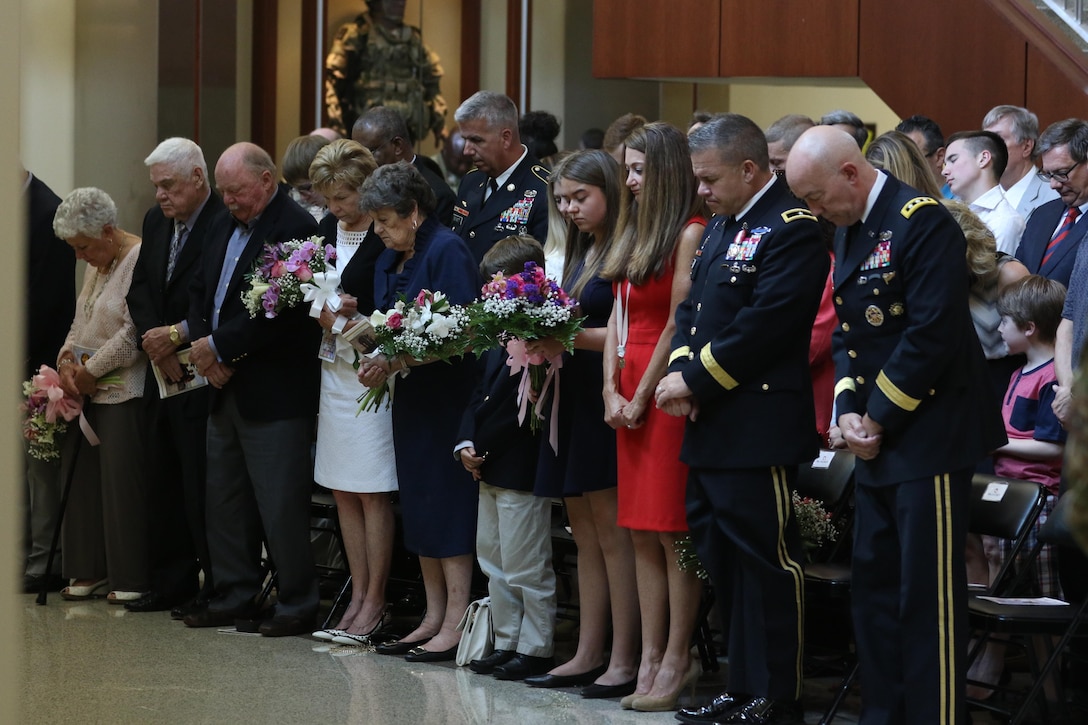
(659, 230)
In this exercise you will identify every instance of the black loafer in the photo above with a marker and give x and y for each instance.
(718, 709)
(418, 654)
(600, 692)
(522, 666)
(191, 606)
(580, 680)
(209, 617)
(285, 625)
(487, 665)
(150, 602)
(764, 711)
(400, 647)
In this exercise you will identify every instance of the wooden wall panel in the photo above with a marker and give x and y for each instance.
(656, 38)
(1050, 93)
(787, 38)
(949, 61)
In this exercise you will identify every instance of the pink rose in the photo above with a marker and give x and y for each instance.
(303, 273)
(278, 269)
(421, 298)
(394, 321)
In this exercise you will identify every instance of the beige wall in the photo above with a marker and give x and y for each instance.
(47, 61)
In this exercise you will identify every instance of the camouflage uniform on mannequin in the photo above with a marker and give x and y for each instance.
(377, 60)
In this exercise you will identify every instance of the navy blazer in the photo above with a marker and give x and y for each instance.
(1038, 232)
(152, 300)
(519, 206)
(491, 422)
(905, 350)
(51, 280)
(441, 263)
(276, 368)
(742, 336)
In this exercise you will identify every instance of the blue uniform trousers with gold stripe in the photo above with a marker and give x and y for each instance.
(909, 590)
(744, 531)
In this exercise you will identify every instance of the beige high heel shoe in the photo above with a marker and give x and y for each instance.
(665, 703)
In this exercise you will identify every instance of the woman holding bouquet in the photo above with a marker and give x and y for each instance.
(105, 537)
(438, 497)
(586, 189)
(354, 454)
(659, 230)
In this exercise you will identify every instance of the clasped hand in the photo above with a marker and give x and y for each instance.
(374, 371)
(674, 397)
(863, 435)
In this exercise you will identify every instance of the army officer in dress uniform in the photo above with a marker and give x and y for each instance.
(913, 406)
(739, 370)
(506, 193)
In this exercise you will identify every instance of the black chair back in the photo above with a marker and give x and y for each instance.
(1004, 508)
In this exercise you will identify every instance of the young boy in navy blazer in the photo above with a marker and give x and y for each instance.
(513, 535)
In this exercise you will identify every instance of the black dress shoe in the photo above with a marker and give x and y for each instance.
(400, 647)
(32, 583)
(718, 709)
(580, 680)
(418, 654)
(209, 617)
(764, 711)
(150, 602)
(522, 666)
(192, 606)
(600, 692)
(286, 625)
(487, 665)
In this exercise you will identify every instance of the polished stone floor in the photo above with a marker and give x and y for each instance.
(91, 662)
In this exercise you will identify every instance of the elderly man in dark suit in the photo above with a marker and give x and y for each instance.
(1056, 229)
(265, 375)
(506, 193)
(739, 369)
(914, 405)
(50, 305)
(174, 234)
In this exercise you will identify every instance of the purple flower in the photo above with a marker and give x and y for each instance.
(330, 253)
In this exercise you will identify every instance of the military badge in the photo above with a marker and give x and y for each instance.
(745, 244)
(885, 236)
(881, 256)
(896, 309)
(888, 277)
(518, 214)
(874, 315)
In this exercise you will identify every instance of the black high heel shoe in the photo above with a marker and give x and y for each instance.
(400, 647)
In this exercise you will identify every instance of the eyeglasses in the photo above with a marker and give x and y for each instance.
(1060, 176)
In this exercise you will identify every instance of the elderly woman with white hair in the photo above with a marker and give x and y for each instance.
(105, 538)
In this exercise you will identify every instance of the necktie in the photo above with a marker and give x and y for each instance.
(175, 247)
(1063, 232)
(492, 187)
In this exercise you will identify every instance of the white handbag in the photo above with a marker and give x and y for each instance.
(477, 634)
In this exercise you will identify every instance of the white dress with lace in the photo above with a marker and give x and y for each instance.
(354, 453)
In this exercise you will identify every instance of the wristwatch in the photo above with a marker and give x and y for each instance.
(175, 336)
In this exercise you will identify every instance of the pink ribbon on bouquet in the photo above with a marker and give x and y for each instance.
(58, 403)
(519, 361)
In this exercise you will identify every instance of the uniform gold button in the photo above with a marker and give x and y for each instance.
(692, 330)
(861, 380)
(846, 327)
(852, 353)
(766, 387)
(472, 235)
(838, 300)
(876, 292)
(733, 279)
(932, 391)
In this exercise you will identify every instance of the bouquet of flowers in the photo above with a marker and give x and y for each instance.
(48, 410)
(525, 306)
(814, 521)
(286, 274)
(425, 328)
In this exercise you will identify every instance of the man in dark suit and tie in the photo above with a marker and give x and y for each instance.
(174, 233)
(50, 306)
(914, 403)
(265, 375)
(506, 193)
(385, 134)
(1055, 230)
(739, 370)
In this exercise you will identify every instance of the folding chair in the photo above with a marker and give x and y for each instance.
(1033, 621)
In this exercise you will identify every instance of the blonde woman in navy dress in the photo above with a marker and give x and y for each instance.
(586, 187)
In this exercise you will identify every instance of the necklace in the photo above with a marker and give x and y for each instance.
(101, 279)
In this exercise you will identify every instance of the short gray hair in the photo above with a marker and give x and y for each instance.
(841, 117)
(1025, 124)
(399, 187)
(179, 154)
(86, 211)
(494, 108)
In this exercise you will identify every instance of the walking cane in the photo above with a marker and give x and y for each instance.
(43, 593)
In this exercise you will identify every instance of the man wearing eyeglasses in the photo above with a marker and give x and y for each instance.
(1055, 230)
